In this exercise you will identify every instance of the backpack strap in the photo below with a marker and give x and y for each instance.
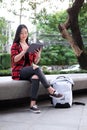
(78, 103)
(62, 78)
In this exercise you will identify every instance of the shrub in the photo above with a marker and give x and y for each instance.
(5, 62)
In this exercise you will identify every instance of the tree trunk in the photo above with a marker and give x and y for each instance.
(75, 40)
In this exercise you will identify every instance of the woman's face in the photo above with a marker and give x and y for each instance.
(23, 34)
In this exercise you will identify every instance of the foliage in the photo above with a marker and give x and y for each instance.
(47, 72)
(57, 55)
(48, 23)
(3, 26)
(5, 62)
(5, 31)
(1, 1)
(6, 72)
(83, 19)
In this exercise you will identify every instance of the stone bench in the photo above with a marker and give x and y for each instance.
(13, 89)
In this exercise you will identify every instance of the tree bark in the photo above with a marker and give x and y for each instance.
(75, 40)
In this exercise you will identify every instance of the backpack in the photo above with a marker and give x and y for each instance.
(64, 86)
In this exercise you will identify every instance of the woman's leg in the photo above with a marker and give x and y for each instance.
(27, 74)
(51, 90)
(44, 81)
(34, 90)
(35, 70)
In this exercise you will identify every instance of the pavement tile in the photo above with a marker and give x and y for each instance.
(50, 118)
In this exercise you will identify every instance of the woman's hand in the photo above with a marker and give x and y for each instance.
(25, 47)
(38, 53)
(22, 53)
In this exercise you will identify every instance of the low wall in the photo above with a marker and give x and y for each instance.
(13, 89)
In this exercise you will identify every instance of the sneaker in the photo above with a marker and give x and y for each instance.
(35, 109)
(56, 95)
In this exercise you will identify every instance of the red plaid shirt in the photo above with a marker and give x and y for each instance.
(17, 66)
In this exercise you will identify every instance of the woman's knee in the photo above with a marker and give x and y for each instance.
(35, 77)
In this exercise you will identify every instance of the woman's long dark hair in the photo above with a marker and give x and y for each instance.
(17, 35)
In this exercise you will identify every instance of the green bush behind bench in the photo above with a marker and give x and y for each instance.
(8, 72)
(5, 61)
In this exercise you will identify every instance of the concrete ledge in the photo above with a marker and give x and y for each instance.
(12, 89)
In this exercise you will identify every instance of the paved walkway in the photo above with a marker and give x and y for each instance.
(20, 118)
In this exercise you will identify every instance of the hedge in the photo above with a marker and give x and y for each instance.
(5, 61)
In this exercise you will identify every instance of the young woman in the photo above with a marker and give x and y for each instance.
(24, 66)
